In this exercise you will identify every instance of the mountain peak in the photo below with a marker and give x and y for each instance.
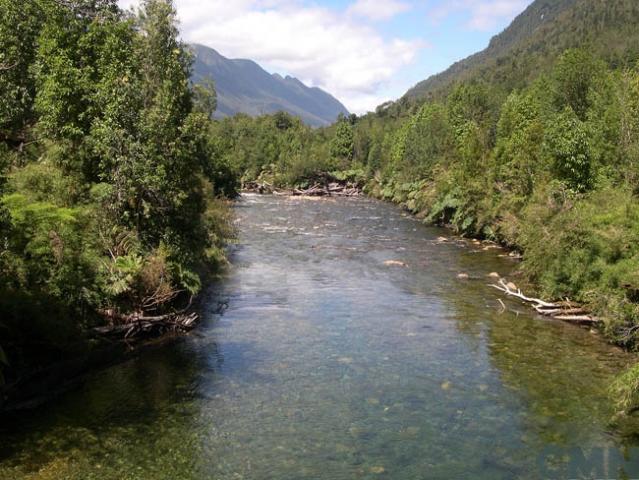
(245, 87)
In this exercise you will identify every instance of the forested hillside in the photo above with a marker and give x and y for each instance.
(109, 210)
(536, 38)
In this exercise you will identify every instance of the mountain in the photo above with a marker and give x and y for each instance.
(245, 87)
(532, 42)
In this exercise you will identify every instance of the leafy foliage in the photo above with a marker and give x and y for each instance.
(114, 206)
(19, 27)
(342, 144)
(625, 391)
(569, 148)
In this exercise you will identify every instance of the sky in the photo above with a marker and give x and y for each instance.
(364, 52)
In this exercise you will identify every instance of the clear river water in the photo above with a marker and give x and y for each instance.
(329, 363)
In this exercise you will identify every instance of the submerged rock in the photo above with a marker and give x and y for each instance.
(395, 263)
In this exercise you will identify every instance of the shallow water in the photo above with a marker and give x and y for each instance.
(329, 364)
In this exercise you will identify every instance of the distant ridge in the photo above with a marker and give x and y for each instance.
(245, 87)
(532, 42)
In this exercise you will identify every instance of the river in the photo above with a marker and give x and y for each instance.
(328, 363)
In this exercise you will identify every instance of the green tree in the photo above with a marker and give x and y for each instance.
(283, 121)
(19, 29)
(575, 75)
(429, 141)
(567, 140)
(205, 97)
(342, 144)
(628, 95)
(518, 151)
(157, 181)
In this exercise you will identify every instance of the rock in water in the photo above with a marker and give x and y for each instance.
(395, 263)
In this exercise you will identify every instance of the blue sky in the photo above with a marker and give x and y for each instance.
(362, 51)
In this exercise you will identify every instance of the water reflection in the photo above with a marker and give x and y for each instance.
(331, 364)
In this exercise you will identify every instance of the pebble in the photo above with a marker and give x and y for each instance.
(463, 276)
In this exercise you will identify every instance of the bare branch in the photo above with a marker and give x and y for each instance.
(566, 310)
(4, 67)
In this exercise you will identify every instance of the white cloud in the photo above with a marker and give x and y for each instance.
(320, 46)
(378, 9)
(484, 14)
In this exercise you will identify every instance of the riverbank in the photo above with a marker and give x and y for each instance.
(43, 362)
(416, 199)
(35, 386)
(579, 247)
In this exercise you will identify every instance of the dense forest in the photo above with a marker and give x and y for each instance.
(110, 189)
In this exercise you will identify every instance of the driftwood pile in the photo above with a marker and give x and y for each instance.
(565, 310)
(333, 189)
(326, 189)
(138, 325)
(259, 187)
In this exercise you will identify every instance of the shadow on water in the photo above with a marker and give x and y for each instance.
(331, 363)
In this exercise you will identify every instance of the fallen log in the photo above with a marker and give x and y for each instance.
(333, 189)
(561, 311)
(138, 324)
(566, 311)
(585, 319)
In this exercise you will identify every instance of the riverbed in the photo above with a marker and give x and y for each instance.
(342, 344)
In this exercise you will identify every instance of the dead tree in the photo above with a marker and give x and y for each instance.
(566, 310)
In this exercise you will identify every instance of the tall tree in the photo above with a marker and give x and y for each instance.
(19, 28)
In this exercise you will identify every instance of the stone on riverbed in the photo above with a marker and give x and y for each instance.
(395, 263)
